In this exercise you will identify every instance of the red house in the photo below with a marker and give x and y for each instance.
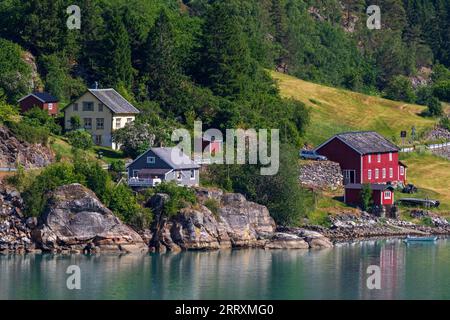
(365, 157)
(42, 100)
(382, 194)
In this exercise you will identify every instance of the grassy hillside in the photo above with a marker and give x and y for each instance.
(351, 111)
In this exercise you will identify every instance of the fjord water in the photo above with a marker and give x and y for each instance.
(408, 271)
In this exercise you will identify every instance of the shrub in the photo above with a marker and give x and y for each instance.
(366, 197)
(213, 205)
(80, 139)
(7, 112)
(400, 89)
(27, 132)
(435, 107)
(117, 166)
(445, 123)
(179, 197)
(38, 117)
(75, 122)
(442, 90)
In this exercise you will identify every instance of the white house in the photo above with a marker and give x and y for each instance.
(101, 112)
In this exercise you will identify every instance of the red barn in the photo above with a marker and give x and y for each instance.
(382, 194)
(365, 157)
(42, 100)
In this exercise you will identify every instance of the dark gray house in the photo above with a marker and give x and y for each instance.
(163, 164)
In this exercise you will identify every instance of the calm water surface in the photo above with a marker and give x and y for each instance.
(418, 271)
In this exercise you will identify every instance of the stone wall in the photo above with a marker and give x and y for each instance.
(321, 175)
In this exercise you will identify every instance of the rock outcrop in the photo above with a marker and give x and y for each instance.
(15, 230)
(14, 151)
(321, 175)
(238, 224)
(75, 220)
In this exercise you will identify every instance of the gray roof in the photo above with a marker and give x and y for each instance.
(179, 160)
(113, 100)
(366, 142)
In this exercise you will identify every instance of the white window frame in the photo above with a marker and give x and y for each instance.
(50, 106)
(390, 156)
(118, 122)
(379, 158)
(100, 107)
(384, 173)
(387, 194)
(391, 172)
(179, 175)
(84, 123)
(135, 173)
(369, 174)
(369, 159)
(102, 127)
(377, 173)
(86, 104)
(195, 174)
(402, 170)
(151, 160)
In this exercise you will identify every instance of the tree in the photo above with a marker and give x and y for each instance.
(366, 197)
(80, 139)
(15, 74)
(435, 107)
(162, 65)
(75, 122)
(116, 62)
(400, 89)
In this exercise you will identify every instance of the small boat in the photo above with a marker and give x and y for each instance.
(414, 239)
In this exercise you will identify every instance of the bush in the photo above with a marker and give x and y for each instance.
(80, 139)
(435, 107)
(75, 122)
(40, 118)
(29, 133)
(400, 89)
(445, 123)
(179, 197)
(213, 205)
(442, 90)
(366, 197)
(7, 112)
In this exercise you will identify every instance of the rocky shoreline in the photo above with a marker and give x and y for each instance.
(75, 221)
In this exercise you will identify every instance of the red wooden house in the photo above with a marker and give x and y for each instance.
(382, 194)
(42, 100)
(365, 157)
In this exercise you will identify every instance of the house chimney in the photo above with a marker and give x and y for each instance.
(96, 85)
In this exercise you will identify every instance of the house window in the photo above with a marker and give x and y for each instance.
(402, 170)
(75, 107)
(88, 106)
(50, 106)
(151, 160)
(192, 174)
(377, 173)
(369, 174)
(379, 157)
(390, 156)
(179, 176)
(388, 195)
(100, 125)
(118, 122)
(98, 139)
(384, 173)
(129, 120)
(135, 173)
(391, 172)
(87, 123)
(100, 107)
(370, 158)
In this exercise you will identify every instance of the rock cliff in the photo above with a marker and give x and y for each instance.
(13, 151)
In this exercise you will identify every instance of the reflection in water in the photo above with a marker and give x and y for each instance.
(408, 271)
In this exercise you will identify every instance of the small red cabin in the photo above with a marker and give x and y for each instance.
(42, 100)
(382, 194)
(365, 157)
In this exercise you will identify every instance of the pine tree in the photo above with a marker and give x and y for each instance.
(162, 63)
(116, 64)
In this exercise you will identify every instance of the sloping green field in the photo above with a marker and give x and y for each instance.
(337, 110)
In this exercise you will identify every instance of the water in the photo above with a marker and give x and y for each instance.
(413, 271)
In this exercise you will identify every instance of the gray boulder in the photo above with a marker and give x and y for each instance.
(76, 220)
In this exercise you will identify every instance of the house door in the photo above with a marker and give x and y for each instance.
(349, 176)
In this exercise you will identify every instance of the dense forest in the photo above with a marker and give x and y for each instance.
(178, 61)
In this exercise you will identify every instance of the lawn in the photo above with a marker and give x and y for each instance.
(432, 175)
(337, 110)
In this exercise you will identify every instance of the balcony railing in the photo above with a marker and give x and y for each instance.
(143, 182)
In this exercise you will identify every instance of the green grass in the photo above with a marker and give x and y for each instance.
(336, 110)
(109, 155)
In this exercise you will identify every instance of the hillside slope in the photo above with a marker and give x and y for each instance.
(336, 110)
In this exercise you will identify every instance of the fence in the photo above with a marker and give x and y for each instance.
(438, 146)
(7, 169)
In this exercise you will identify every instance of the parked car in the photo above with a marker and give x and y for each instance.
(410, 188)
(312, 155)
